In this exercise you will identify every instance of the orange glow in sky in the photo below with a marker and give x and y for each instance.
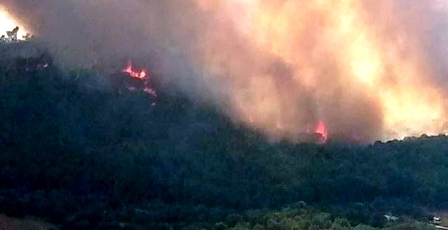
(7, 23)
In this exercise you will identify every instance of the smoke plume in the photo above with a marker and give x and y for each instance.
(367, 69)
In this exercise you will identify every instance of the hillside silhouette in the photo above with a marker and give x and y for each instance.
(82, 151)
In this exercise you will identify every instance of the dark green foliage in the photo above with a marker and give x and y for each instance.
(90, 155)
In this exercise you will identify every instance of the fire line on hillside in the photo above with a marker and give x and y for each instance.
(143, 77)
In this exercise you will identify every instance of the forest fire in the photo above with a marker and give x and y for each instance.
(321, 130)
(8, 22)
(143, 79)
(362, 66)
(133, 73)
(372, 70)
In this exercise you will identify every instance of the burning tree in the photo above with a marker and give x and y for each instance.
(12, 36)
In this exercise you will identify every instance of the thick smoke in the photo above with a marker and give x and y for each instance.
(83, 33)
(368, 69)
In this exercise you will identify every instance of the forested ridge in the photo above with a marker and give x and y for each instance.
(85, 153)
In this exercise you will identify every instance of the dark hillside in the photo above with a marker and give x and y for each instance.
(98, 156)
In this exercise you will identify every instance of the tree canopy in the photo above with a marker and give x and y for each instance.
(89, 154)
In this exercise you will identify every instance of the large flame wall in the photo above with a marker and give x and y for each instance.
(367, 69)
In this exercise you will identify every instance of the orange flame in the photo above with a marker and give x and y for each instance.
(8, 22)
(321, 129)
(143, 76)
(133, 73)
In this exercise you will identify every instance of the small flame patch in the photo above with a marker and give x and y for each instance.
(135, 74)
(142, 76)
(322, 131)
